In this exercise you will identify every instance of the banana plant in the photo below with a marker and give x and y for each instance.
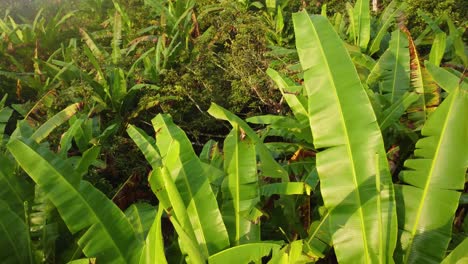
(181, 182)
(439, 153)
(362, 198)
(108, 234)
(319, 50)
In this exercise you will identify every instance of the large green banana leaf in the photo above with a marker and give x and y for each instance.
(14, 243)
(426, 206)
(392, 69)
(107, 235)
(361, 23)
(354, 177)
(241, 189)
(184, 173)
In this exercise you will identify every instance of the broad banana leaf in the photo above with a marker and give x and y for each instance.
(245, 253)
(355, 180)
(268, 166)
(426, 206)
(182, 169)
(361, 19)
(14, 233)
(240, 189)
(392, 72)
(388, 17)
(107, 235)
(147, 146)
(44, 130)
(153, 251)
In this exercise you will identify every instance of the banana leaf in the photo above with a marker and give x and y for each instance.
(319, 240)
(141, 216)
(393, 113)
(268, 166)
(386, 20)
(421, 83)
(107, 235)
(116, 38)
(445, 79)
(15, 242)
(284, 188)
(438, 48)
(44, 130)
(245, 253)
(240, 189)
(392, 73)
(361, 17)
(354, 177)
(292, 253)
(153, 251)
(426, 206)
(296, 101)
(183, 172)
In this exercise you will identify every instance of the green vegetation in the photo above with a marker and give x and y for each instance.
(233, 132)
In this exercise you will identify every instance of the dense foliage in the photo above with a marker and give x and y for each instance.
(277, 131)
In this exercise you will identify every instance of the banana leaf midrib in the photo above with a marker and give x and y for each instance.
(348, 146)
(237, 187)
(428, 182)
(84, 201)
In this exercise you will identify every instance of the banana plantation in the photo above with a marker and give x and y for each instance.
(233, 131)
